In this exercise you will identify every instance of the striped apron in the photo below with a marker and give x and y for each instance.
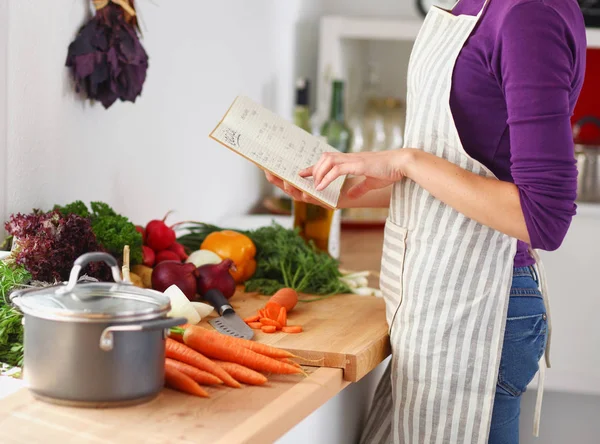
(445, 278)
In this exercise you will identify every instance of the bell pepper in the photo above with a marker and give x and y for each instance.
(235, 246)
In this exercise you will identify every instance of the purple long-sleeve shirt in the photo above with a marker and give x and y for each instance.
(514, 88)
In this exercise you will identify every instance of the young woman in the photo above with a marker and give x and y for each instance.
(487, 175)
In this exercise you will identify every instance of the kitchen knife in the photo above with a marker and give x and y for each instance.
(229, 323)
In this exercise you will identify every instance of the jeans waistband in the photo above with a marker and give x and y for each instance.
(526, 272)
(518, 289)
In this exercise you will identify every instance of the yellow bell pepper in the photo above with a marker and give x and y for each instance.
(235, 246)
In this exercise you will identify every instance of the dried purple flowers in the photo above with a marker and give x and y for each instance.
(106, 59)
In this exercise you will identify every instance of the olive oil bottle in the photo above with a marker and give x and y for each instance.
(315, 223)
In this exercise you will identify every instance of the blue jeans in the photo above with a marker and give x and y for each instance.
(524, 343)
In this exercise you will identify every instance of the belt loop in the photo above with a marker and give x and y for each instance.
(534, 274)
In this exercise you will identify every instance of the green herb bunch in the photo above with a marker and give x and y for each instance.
(11, 329)
(112, 230)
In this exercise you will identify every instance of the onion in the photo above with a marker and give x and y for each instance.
(216, 277)
(181, 306)
(203, 309)
(203, 257)
(169, 273)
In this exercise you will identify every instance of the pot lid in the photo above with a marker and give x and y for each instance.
(92, 301)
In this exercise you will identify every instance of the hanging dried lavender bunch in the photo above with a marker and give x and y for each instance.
(106, 58)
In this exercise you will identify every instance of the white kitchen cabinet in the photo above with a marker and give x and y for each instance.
(347, 44)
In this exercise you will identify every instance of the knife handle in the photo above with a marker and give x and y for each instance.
(217, 300)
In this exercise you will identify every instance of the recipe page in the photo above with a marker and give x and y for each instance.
(275, 145)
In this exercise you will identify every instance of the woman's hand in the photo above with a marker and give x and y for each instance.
(377, 170)
(290, 190)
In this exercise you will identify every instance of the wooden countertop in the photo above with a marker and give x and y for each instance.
(248, 415)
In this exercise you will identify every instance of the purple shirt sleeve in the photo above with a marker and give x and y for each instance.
(534, 61)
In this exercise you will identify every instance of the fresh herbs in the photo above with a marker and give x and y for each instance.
(112, 230)
(11, 329)
(47, 244)
(283, 258)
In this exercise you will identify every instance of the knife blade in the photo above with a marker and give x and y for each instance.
(229, 323)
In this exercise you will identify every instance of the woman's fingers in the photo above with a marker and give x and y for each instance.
(292, 191)
(306, 172)
(360, 189)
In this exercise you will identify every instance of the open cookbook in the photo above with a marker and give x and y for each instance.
(275, 145)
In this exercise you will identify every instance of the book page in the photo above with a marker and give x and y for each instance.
(275, 145)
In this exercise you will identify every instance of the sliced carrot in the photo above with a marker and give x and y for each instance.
(200, 376)
(292, 329)
(282, 317)
(268, 328)
(252, 319)
(257, 347)
(270, 322)
(272, 310)
(182, 382)
(221, 347)
(261, 313)
(255, 325)
(242, 374)
(286, 297)
(183, 353)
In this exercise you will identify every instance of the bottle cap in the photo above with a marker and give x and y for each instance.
(302, 91)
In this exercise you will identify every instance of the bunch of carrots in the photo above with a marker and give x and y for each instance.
(196, 356)
(273, 317)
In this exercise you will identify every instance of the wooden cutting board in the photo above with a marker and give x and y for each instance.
(344, 331)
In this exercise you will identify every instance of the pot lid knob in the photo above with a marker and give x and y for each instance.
(87, 258)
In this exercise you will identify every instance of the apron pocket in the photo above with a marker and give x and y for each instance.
(392, 268)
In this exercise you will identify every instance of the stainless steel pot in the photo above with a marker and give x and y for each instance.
(588, 164)
(94, 344)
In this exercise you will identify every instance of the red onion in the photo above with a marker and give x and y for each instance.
(170, 273)
(216, 277)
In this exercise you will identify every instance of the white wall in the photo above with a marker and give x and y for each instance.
(3, 105)
(152, 156)
(372, 8)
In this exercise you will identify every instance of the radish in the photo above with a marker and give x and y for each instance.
(141, 230)
(166, 255)
(159, 236)
(179, 250)
(148, 256)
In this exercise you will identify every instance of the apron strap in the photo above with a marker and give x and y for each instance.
(545, 360)
(482, 8)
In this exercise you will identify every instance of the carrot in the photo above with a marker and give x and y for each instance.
(268, 328)
(282, 317)
(271, 323)
(272, 310)
(286, 297)
(200, 376)
(242, 374)
(291, 329)
(261, 313)
(255, 325)
(252, 319)
(183, 353)
(182, 382)
(222, 347)
(177, 337)
(257, 347)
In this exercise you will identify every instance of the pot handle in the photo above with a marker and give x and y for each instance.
(85, 259)
(107, 337)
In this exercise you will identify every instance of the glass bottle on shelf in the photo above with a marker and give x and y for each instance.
(315, 223)
(394, 123)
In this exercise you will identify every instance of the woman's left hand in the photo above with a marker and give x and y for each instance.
(379, 169)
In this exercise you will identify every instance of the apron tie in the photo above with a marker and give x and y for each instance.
(99, 4)
(545, 360)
